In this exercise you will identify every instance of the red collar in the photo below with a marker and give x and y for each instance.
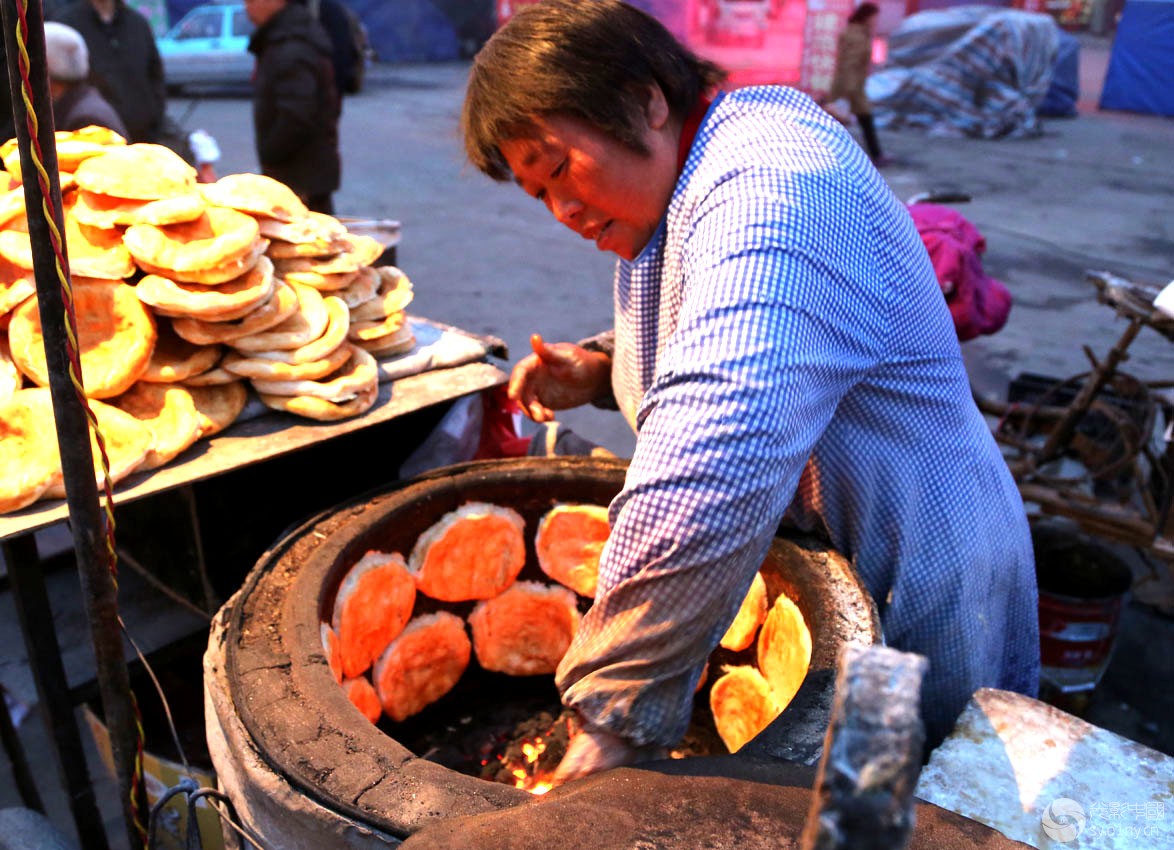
(689, 130)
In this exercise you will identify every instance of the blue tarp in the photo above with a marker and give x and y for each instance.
(1140, 77)
(1060, 101)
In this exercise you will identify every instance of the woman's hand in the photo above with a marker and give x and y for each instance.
(593, 750)
(558, 376)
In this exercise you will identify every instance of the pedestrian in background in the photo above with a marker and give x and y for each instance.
(124, 63)
(295, 102)
(76, 103)
(853, 62)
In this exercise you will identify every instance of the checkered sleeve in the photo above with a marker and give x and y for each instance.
(744, 386)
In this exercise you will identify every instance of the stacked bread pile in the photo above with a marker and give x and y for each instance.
(186, 295)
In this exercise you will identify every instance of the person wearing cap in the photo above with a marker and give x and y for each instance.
(783, 351)
(76, 103)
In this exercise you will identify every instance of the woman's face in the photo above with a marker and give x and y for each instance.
(601, 189)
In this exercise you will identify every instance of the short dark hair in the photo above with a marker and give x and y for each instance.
(863, 12)
(590, 59)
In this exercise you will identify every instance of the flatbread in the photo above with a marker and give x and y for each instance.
(139, 172)
(360, 251)
(394, 295)
(357, 376)
(116, 337)
(215, 377)
(93, 252)
(784, 649)
(399, 342)
(219, 405)
(28, 464)
(16, 285)
(170, 413)
(314, 227)
(255, 194)
(362, 288)
(320, 409)
(324, 282)
(127, 442)
(524, 631)
(175, 359)
(331, 651)
(212, 276)
(751, 614)
(244, 366)
(235, 297)
(474, 552)
(742, 705)
(302, 327)
(174, 210)
(422, 664)
(373, 604)
(281, 304)
(333, 336)
(569, 541)
(218, 237)
(10, 377)
(107, 211)
(361, 693)
(317, 248)
(361, 331)
(73, 148)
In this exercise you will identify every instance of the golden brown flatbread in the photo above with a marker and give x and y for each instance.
(302, 327)
(394, 295)
(214, 377)
(373, 604)
(360, 251)
(10, 377)
(323, 282)
(218, 405)
(524, 631)
(233, 298)
(742, 705)
(361, 693)
(107, 211)
(127, 442)
(213, 276)
(244, 366)
(73, 148)
(320, 409)
(93, 252)
(16, 285)
(170, 413)
(422, 664)
(742, 631)
(362, 288)
(333, 336)
(28, 460)
(280, 305)
(569, 541)
(255, 194)
(320, 248)
(175, 359)
(362, 331)
(784, 649)
(143, 172)
(397, 343)
(218, 237)
(474, 552)
(116, 336)
(314, 227)
(358, 375)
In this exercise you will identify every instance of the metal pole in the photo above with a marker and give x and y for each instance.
(86, 518)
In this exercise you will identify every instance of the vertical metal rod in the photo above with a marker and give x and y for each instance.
(21, 774)
(56, 707)
(73, 437)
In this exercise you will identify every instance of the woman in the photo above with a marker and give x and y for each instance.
(853, 61)
(781, 345)
(76, 103)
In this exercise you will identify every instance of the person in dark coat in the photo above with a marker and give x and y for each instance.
(295, 103)
(124, 63)
(76, 103)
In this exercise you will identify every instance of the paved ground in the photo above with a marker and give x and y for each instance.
(1091, 192)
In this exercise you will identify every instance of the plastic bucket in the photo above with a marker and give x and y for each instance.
(1082, 590)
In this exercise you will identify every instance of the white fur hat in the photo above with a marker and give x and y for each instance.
(66, 53)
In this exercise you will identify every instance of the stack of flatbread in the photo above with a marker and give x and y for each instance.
(187, 295)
